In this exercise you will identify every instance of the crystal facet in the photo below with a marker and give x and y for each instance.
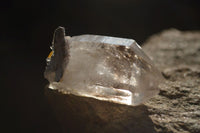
(102, 67)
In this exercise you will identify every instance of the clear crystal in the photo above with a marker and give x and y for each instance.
(108, 68)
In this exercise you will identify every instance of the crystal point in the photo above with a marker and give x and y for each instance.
(105, 68)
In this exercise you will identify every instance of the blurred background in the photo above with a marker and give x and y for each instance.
(26, 30)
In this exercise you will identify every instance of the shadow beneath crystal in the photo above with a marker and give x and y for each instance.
(83, 114)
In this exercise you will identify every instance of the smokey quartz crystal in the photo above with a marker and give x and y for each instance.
(101, 67)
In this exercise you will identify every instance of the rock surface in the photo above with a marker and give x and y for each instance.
(177, 107)
(78, 114)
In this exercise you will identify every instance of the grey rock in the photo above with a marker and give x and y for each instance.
(88, 115)
(177, 107)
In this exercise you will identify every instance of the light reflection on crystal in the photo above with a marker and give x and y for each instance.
(108, 68)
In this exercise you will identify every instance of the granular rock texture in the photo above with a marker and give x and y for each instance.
(78, 114)
(177, 107)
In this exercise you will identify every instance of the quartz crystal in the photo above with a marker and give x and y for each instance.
(101, 67)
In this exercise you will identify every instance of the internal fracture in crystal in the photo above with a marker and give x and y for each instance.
(106, 68)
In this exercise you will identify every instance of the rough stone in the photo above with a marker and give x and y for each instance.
(177, 107)
(83, 114)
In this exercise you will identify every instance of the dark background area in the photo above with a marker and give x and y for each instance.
(26, 30)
